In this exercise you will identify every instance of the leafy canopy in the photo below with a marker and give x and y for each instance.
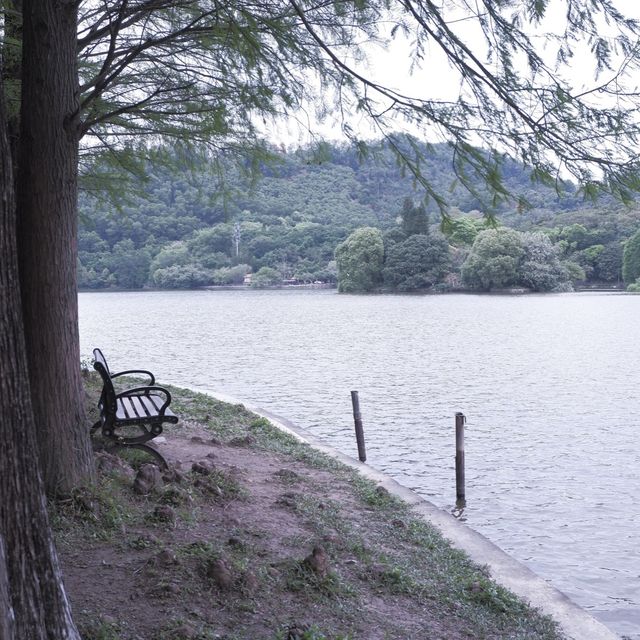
(359, 259)
(631, 259)
(419, 262)
(218, 73)
(504, 257)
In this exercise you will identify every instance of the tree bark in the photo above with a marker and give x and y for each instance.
(11, 76)
(33, 604)
(6, 610)
(47, 187)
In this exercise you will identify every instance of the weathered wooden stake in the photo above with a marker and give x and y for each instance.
(357, 418)
(460, 420)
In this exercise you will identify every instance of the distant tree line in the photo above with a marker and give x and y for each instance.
(184, 227)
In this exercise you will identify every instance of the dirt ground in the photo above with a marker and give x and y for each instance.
(252, 535)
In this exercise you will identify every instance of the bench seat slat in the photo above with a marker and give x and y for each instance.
(130, 408)
(157, 402)
(141, 408)
(122, 410)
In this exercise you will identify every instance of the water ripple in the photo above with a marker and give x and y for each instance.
(547, 384)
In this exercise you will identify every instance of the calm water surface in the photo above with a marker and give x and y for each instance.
(549, 385)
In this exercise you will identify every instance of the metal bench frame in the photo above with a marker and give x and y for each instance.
(144, 407)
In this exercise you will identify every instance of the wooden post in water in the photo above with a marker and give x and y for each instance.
(357, 418)
(460, 420)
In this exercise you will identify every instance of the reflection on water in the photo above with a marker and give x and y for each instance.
(458, 511)
(548, 384)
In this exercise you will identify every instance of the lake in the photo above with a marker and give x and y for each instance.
(549, 385)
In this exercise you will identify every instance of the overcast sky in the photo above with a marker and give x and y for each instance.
(436, 79)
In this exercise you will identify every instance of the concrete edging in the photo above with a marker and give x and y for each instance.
(575, 622)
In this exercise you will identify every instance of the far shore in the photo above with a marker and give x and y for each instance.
(513, 291)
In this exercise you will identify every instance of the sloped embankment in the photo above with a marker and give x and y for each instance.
(254, 535)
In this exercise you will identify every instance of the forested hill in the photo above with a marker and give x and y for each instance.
(181, 228)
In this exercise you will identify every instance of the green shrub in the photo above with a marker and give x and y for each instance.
(634, 287)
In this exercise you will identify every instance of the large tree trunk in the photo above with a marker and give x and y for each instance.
(47, 189)
(33, 604)
(6, 609)
(11, 75)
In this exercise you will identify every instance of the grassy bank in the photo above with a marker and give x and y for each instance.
(257, 536)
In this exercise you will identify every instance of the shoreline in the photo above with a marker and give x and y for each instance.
(513, 292)
(575, 622)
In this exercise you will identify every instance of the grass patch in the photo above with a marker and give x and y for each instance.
(270, 438)
(98, 511)
(300, 578)
(135, 458)
(219, 485)
(322, 515)
(97, 629)
(222, 419)
(200, 550)
(375, 496)
(312, 633)
(393, 580)
(201, 556)
(175, 496)
(180, 629)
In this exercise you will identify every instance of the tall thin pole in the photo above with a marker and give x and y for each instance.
(460, 490)
(357, 418)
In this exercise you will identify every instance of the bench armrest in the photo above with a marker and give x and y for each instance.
(152, 379)
(146, 391)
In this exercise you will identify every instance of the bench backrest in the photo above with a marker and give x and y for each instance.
(107, 401)
(98, 356)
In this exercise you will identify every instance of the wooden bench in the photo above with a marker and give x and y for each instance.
(132, 417)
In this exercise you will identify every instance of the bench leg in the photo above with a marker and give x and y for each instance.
(154, 453)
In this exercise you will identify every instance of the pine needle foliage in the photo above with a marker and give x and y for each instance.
(219, 74)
